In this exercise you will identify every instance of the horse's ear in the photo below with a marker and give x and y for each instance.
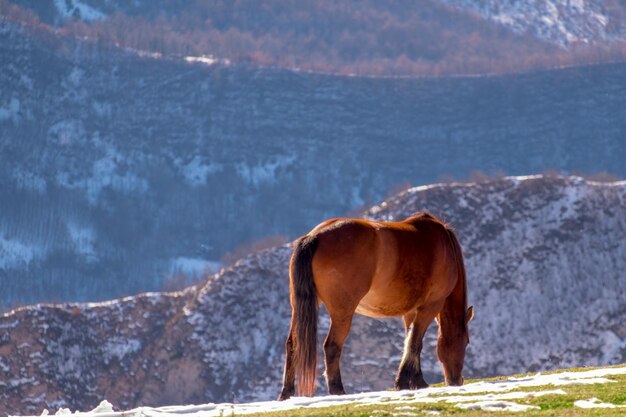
(469, 314)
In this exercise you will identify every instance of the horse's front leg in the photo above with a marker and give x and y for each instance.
(333, 345)
(410, 370)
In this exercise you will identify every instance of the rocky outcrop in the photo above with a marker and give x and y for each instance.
(545, 260)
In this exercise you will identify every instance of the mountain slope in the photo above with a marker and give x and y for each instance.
(563, 22)
(362, 37)
(115, 167)
(430, 37)
(545, 260)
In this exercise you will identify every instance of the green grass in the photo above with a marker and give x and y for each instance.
(549, 405)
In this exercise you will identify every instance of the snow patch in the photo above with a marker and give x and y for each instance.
(103, 407)
(595, 403)
(10, 111)
(70, 363)
(104, 173)
(612, 346)
(102, 109)
(207, 60)
(118, 347)
(521, 178)
(21, 381)
(193, 267)
(204, 59)
(3, 366)
(196, 172)
(497, 406)
(265, 172)
(11, 325)
(83, 238)
(29, 181)
(76, 76)
(14, 253)
(77, 9)
(67, 132)
(560, 21)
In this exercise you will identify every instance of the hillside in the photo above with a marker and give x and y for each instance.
(563, 22)
(577, 392)
(545, 258)
(430, 37)
(120, 170)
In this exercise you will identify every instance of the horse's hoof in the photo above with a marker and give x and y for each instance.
(420, 385)
(336, 388)
(411, 385)
(284, 396)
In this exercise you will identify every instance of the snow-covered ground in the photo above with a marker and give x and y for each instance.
(498, 395)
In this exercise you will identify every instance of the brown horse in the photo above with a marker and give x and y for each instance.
(412, 269)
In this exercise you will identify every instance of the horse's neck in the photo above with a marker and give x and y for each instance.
(452, 316)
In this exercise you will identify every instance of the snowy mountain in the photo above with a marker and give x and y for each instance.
(545, 258)
(120, 169)
(563, 22)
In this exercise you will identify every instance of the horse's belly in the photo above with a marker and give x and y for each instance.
(373, 306)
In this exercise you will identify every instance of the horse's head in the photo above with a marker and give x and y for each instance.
(451, 347)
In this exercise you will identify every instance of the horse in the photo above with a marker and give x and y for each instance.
(412, 268)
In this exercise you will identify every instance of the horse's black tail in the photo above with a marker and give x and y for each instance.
(304, 314)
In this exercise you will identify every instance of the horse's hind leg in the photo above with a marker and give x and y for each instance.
(408, 319)
(333, 345)
(289, 376)
(410, 371)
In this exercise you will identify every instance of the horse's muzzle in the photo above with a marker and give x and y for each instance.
(456, 382)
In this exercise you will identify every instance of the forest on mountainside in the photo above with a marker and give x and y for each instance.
(355, 37)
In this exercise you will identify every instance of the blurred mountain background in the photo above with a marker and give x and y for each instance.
(143, 144)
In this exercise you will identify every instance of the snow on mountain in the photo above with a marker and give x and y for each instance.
(545, 258)
(77, 9)
(15, 253)
(560, 21)
(193, 267)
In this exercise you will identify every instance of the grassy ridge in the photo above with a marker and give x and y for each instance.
(549, 405)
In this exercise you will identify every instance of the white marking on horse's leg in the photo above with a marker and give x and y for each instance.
(407, 345)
